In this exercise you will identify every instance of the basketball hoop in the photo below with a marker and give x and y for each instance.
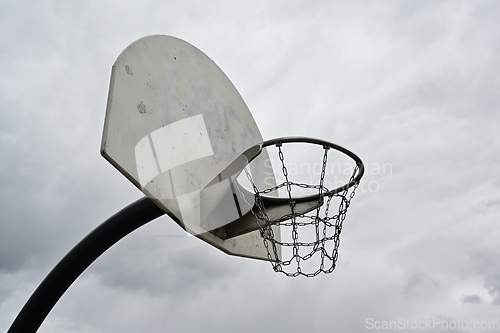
(324, 224)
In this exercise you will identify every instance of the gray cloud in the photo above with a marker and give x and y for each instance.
(417, 281)
(486, 263)
(408, 84)
(472, 299)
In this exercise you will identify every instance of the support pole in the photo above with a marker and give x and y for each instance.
(78, 259)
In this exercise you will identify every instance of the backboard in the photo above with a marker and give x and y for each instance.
(178, 129)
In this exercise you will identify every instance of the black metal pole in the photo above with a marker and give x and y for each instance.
(78, 259)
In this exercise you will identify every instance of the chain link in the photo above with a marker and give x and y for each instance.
(319, 219)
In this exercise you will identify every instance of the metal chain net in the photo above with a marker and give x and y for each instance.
(323, 246)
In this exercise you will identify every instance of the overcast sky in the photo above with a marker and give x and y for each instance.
(413, 85)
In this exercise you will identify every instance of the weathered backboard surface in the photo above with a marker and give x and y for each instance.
(179, 130)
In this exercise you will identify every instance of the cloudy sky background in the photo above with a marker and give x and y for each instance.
(410, 84)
